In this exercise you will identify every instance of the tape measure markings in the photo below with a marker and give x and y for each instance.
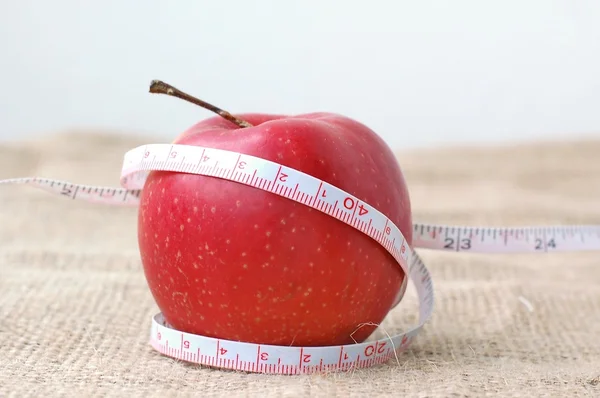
(505, 240)
(425, 236)
(273, 178)
(303, 188)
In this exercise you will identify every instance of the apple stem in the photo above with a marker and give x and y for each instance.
(160, 87)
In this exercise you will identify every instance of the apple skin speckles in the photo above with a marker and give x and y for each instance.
(274, 271)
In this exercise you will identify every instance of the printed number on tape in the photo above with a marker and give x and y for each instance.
(303, 188)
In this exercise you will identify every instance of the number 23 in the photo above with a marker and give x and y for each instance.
(465, 244)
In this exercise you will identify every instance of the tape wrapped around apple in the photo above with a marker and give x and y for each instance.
(230, 261)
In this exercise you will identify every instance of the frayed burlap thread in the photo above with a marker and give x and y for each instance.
(75, 309)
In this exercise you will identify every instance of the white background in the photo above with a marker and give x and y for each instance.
(419, 73)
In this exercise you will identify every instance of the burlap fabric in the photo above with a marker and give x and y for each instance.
(75, 309)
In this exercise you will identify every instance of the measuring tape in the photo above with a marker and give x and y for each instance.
(303, 188)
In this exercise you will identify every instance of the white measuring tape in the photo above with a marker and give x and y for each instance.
(304, 189)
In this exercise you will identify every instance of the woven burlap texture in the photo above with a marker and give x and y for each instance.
(75, 309)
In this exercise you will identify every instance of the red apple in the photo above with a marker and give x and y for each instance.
(231, 261)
